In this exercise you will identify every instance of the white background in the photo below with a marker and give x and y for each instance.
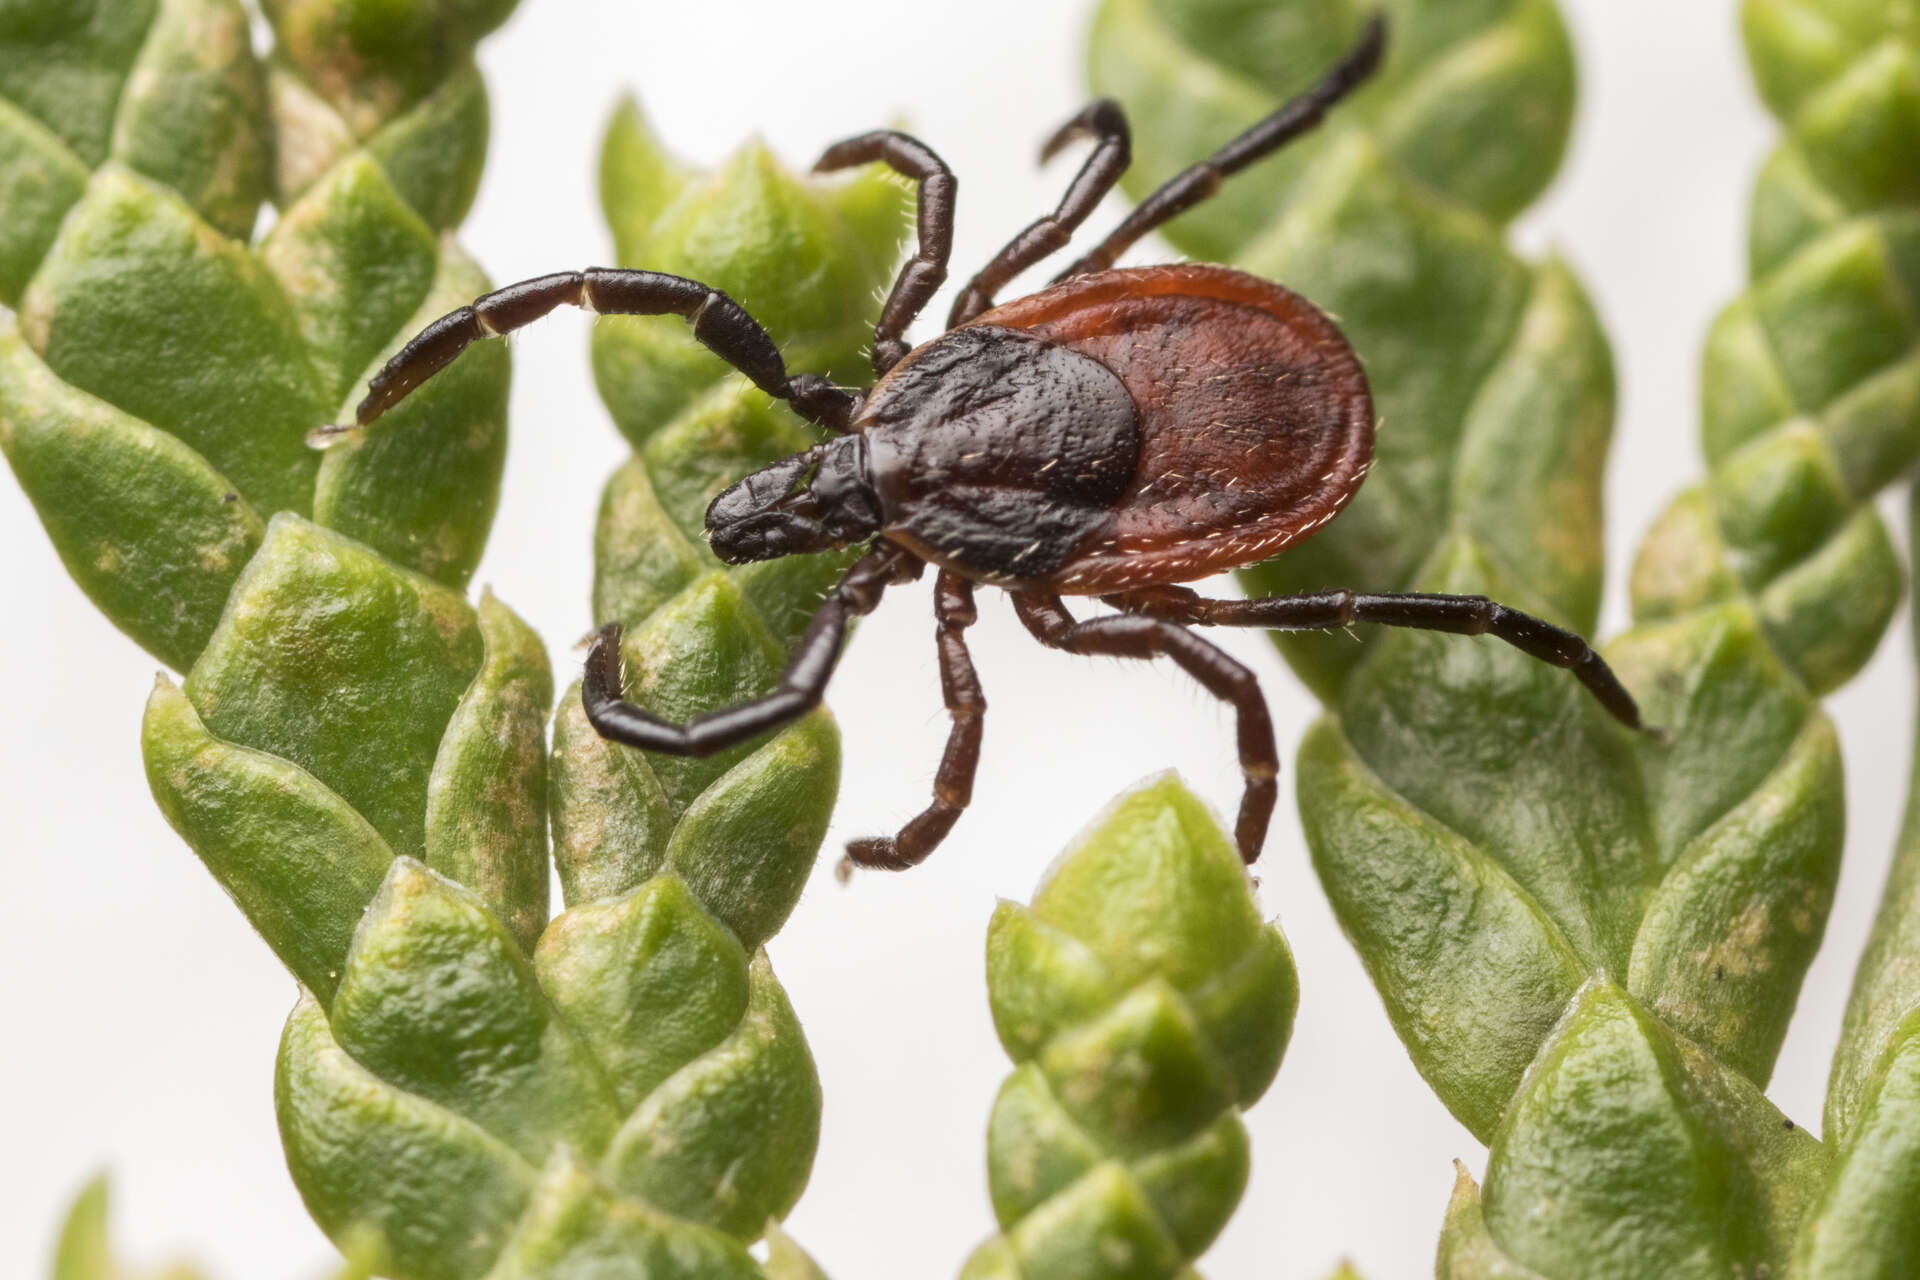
(141, 1014)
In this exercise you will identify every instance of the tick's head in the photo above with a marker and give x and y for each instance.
(813, 501)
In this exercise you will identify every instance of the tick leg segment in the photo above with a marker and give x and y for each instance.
(801, 684)
(1134, 635)
(1106, 123)
(720, 323)
(1459, 615)
(926, 271)
(1198, 182)
(953, 784)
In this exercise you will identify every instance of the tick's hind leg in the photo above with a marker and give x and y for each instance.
(926, 271)
(1132, 635)
(1106, 124)
(1460, 615)
(1200, 181)
(799, 691)
(953, 784)
(721, 324)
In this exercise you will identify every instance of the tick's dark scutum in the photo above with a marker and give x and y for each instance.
(1000, 451)
(1247, 425)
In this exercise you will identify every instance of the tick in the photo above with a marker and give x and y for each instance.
(1113, 435)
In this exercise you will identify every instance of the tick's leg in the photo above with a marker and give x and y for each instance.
(926, 271)
(798, 692)
(1113, 151)
(953, 784)
(719, 322)
(1132, 635)
(1197, 182)
(1461, 615)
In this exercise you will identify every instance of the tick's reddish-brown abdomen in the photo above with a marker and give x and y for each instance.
(1256, 426)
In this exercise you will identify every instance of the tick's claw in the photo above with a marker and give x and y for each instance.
(331, 434)
(877, 852)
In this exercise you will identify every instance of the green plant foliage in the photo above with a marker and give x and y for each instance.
(1629, 1151)
(84, 1251)
(1863, 1223)
(1809, 408)
(395, 78)
(358, 758)
(1811, 378)
(1195, 70)
(806, 258)
(357, 755)
(1590, 942)
(337, 717)
(1488, 838)
(741, 826)
(480, 1112)
(157, 390)
(1491, 378)
(1145, 1005)
(634, 1091)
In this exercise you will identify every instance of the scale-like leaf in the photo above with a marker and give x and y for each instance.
(1146, 1005)
(1543, 899)
(1863, 1223)
(637, 1091)
(164, 373)
(1489, 839)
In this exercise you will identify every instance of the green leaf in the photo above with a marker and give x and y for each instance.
(412, 489)
(578, 1228)
(1489, 839)
(156, 399)
(644, 1061)
(486, 813)
(372, 62)
(640, 1043)
(190, 112)
(1195, 72)
(1147, 1005)
(1620, 1121)
(346, 711)
(149, 530)
(297, 859)
(1811, 379)
(332, 658)
(729, 1139)
(742, 825)
(787, 1260)
(168, 88)
(134, 281)
(1493, 384)
(1467, 1250)
(805, 258)
(84, 1252)
(1863, 1222)
(438, 1000)
(438, 1193)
